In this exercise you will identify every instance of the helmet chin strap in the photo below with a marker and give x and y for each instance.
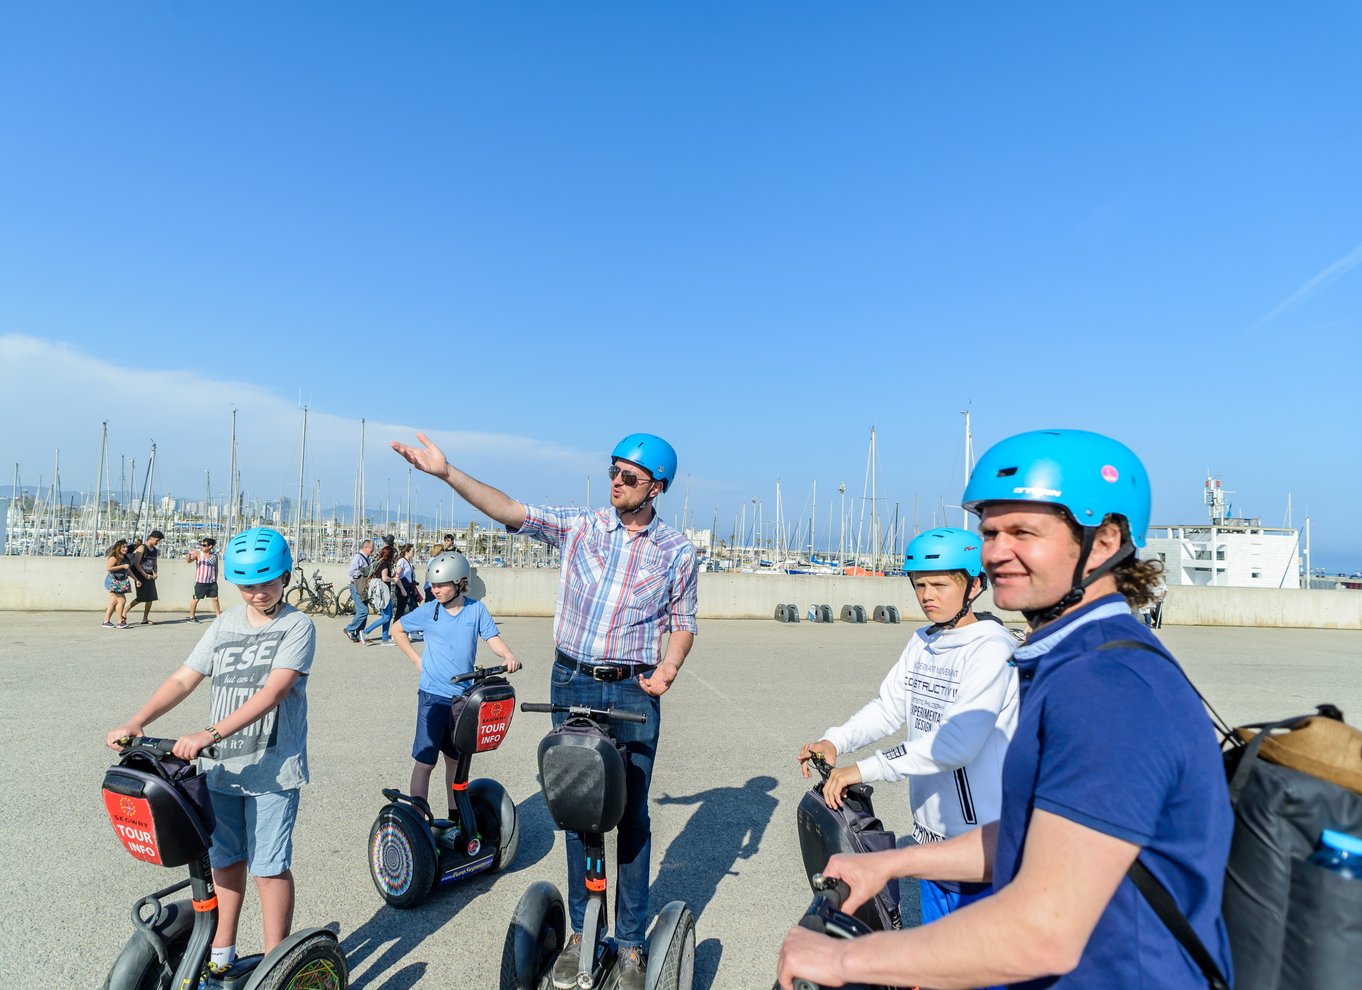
(964, 608)
(280, 600)
(1040, 616)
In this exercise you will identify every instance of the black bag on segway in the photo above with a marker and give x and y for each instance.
(159, 807)
(582, 774)
(852, 828)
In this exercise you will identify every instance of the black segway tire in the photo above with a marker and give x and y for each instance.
(678, 961)
(316, 964)
(137, 967)
(497, 821)
(534, 939)
(401, 860)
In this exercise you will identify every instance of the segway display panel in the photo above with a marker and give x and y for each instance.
(482, 717)
(159, 807)
(581, 771)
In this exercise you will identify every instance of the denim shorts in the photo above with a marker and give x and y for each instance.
(257, 828)
(433, 713)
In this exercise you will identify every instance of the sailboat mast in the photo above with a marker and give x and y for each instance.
(969, 467)
(298, 508)
(233, 495)
(99, 486)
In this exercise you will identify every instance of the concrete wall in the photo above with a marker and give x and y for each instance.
(76, 584)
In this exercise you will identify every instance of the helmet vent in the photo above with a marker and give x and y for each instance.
(1006, 472)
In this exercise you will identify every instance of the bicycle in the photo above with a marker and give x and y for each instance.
(317, 598)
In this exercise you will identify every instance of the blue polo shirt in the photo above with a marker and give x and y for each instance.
(451, 642)
(1117, 741)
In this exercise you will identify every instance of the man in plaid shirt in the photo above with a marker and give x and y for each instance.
(627, 578)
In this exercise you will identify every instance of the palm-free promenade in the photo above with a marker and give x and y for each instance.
(723, 802)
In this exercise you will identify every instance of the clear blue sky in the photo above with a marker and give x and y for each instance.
(754, 228)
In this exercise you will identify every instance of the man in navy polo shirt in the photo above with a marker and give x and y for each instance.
(1113, 759)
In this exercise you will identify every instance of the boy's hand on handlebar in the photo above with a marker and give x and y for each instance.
(119, 738)
(188, 747)
(865, 874)
(838, 781)
(512, 664)
(811, 956)
(823, 748)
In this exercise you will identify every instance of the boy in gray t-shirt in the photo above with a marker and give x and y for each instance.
(258, 656)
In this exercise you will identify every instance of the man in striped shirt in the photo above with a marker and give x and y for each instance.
(205, 561)
(627, 578)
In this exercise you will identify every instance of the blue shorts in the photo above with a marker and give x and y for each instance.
(937, 901)
(255, 827)
(432, 727)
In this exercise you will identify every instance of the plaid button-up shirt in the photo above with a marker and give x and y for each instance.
(620, 591)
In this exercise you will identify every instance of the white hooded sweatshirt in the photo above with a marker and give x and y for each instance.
(956, 690)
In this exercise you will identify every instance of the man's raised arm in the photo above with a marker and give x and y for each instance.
(491, 502)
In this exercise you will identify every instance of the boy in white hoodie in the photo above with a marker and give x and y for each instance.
(955, 688)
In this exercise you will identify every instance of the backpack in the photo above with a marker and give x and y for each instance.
(1291, 923)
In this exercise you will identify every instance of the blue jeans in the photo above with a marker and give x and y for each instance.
(384, 619)
(634, 836)
(361, 610)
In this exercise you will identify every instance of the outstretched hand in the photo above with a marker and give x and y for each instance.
(428, 458)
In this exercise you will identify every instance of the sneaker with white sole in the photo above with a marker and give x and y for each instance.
(106, 625)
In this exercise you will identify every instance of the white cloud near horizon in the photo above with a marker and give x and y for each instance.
(60, 395)
(1317, 283)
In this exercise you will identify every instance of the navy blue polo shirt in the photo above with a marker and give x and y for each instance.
(1117, 741)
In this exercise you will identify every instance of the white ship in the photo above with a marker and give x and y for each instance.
(1227, 551)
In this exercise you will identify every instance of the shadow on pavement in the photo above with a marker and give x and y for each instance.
(727, 826)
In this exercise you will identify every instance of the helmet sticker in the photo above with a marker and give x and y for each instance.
(1109, 473)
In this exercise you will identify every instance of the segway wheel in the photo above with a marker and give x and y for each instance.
(534, 939)
(317, 964)
(678, 965)
(497, 822)
(137, 967)
(401, 862)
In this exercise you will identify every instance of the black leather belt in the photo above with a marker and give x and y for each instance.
(602, 671)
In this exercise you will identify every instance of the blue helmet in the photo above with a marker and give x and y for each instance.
(944, 549)
(1088, 474)
(255, 556)
(651, 453)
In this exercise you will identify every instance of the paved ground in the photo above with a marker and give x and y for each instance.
(725, 789)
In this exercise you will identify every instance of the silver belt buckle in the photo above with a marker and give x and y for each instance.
(603, 672)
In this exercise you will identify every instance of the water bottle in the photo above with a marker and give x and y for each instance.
(1339, 852)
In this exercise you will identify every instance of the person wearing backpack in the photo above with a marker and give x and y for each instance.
(360, 568)
(1113, 760)
(956, 690)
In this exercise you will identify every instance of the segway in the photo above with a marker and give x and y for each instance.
(411, 852)
(581, 773)
(159, 808)
(825, 916)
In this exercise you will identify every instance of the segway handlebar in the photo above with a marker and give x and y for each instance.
(478, 674)
(161, 747)
(584, 711)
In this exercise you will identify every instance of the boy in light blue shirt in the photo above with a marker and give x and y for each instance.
(451, 626)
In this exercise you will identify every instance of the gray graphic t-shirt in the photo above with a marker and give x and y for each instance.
(270, 754)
